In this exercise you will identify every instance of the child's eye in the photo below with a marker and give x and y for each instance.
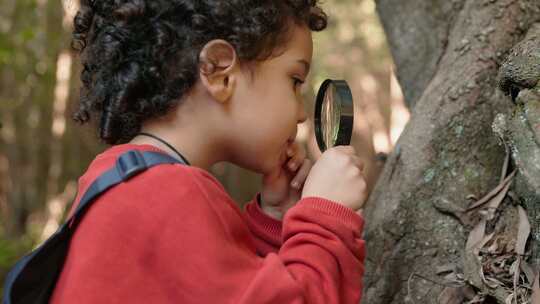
(297, 82)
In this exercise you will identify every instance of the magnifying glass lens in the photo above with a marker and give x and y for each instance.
(331, 114)
(334, 114)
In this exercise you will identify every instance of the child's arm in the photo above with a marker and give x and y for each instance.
(154, 241)
(282, 189)
(265, 229)
(322, 255)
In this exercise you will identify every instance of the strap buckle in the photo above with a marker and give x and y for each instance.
(129, 164)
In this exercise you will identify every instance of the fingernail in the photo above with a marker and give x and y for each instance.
(294, 184)
(292, 166)
(289, 152)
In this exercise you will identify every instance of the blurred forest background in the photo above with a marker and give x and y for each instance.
(43, 152)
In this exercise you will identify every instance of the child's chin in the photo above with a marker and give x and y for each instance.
(260, 168)
(268, 166)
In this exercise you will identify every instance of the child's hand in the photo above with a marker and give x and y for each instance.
(338, 176)
(282, 188)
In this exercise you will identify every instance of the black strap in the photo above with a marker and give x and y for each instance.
(32, 279)
(127, 165)
(166, 144)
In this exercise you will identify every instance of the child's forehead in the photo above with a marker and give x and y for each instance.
(301, 39)
(299, 46)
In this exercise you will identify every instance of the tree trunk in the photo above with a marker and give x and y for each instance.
(27, 145)
(520, 77)
(447, 55)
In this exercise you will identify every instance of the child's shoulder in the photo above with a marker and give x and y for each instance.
(164, 177)
(164, 183)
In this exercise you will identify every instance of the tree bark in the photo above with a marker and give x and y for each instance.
(447, 54)
(520, 77)
(418, 33)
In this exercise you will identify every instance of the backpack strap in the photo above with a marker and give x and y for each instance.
(127, 165)
(32, 278)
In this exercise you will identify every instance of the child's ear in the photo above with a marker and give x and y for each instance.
(217, 68)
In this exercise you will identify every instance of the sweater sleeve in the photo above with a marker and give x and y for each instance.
(266, 230)
(321, 259)
(323, 250)
(151, 240)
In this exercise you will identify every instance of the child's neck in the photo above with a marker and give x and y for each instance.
(200, 142)
(199, 152)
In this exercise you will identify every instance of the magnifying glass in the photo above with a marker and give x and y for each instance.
(334, 114)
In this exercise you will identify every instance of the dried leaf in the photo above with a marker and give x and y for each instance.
(504, 170)
(472, 197)
(476, 235)
(483, 242)
(516, 268)
(493, 283)
(493, 192)
(493, 248)
(523, 231)
(508, 299)
(494, 203)
(513, 267)
(527, 269)
(490, 282)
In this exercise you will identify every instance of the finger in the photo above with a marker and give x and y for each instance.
(302, 174)
(297, 159)
(294, 163)
(291, 150)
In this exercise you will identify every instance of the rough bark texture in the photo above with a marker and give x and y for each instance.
(448, 151)
(520, 77)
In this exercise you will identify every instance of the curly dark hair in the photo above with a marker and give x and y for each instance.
(140, 56)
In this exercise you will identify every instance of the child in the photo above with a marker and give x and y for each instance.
(209, 81)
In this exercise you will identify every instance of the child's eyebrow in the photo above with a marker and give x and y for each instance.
(305, 64)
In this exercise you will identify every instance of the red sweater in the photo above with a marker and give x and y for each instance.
(173, 235)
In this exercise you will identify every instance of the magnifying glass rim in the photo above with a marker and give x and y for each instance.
(347, 113)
